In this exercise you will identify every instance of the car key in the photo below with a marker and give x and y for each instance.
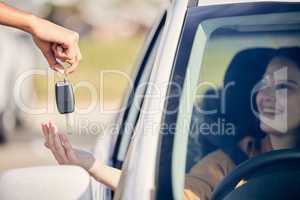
(65, 101)
(64, 97)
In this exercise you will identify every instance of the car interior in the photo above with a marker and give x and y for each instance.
(224, 110)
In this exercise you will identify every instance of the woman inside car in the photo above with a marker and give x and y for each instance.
(276, 101)
(278, 110)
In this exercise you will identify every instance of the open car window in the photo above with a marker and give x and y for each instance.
(242, 100)
(136, 97)
(236, 102)
(233, 71)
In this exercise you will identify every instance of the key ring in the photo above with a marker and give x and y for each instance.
(65, 67)
(65, 100)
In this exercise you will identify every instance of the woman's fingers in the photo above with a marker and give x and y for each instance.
(74, 62)
(48, 53)
(60, 150)
(46, 135)
(57, 144)
(52, 145)
(46, 50)
(44, 131)
(68, 148)
(71, 55)
(46, 145)
(60, 53)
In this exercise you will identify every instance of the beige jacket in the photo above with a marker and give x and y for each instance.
(208, 172)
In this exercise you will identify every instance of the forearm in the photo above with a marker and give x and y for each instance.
(105, 174)
(189, 195)
(15, 18)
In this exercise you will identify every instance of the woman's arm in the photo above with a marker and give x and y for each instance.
(65, 154)
(201, 181)
(105, 174)
(55, 42)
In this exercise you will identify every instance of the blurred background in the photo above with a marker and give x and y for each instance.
(112, 34)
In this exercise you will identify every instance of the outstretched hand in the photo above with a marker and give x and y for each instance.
(62, 149)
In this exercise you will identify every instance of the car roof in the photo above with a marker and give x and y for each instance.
(219, 2)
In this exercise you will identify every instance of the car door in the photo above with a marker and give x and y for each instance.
(137, 180)
(112, 149)
(200, 24)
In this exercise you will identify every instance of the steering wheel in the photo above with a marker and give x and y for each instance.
(273, 175)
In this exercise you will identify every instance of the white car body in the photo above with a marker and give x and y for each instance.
(138, 180)
(140, 168)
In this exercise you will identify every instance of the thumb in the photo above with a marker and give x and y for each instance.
(45, 48)
(49, 55)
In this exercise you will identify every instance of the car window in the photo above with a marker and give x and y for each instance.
(136, 98)
(235, 101)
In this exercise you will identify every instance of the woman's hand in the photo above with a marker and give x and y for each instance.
(65, 154)
(56, 42)
(62, 149)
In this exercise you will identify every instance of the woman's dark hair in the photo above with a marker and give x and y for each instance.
(244, 72)
(291, 53)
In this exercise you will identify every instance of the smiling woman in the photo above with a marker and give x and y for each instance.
(278, 99)
(252, 69)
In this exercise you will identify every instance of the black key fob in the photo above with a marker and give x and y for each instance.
(64, 97)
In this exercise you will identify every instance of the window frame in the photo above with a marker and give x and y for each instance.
(194, 17)
(145, 58)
